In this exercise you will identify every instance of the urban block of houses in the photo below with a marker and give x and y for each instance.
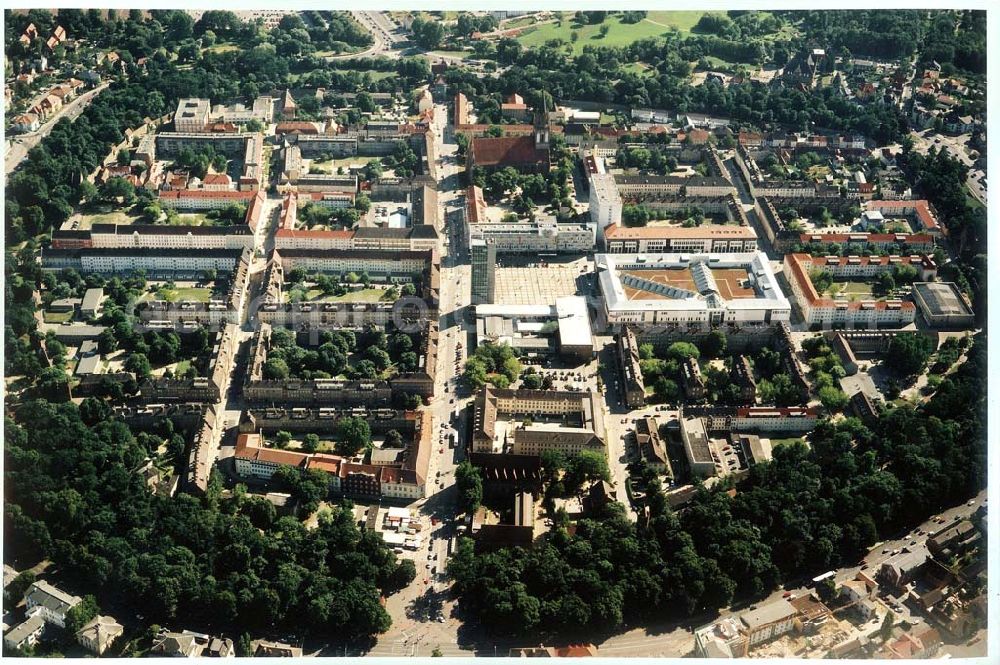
(786, 239)
(330, 392)
(246, 147)
(865, 312)
(543, 234)
(529, 422)
(403, 479)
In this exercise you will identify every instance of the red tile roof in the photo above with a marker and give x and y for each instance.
(202, 194)
(217, 179)
(290, 233)
(921, 208)
(504, 151)
(298, 127)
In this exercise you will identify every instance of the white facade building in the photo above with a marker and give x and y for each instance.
(635, 289)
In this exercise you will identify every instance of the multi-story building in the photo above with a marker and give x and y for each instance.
(742, 376)
(191, 115)
(864, 312)
(483, 256)
(690, 290)
(734, 636)
(694, 384)
(761, 419)
(262, 110)
(504, 422)
(628, 360)
(605, 202)
(49, 603)
(708, 238)
(533, 237)
(943, 305)
(155, 262)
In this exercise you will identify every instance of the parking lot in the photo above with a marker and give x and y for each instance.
(527, 281)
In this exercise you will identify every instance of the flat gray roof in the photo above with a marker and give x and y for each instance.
(942, 299)
(770, 613)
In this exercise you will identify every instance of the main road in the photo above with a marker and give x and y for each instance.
(22, 144)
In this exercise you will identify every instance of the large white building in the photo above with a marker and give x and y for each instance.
(191, 115)
(703, 290)
(605, 202)
(700, 239)
(532, 237)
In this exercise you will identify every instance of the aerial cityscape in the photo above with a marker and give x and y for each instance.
(495, 333)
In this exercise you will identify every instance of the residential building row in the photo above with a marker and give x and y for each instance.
(404, 481)
(861, 312)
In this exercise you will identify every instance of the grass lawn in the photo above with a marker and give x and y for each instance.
(182, 366)
(785, 441)
(519, 22)
(193, 219)
(818, 171)
(331, 165)
(221, 48)
(682, 20)
(57, 317)
(639, 68)
(364, 295)
(719, 63)
(850, 288)
(109, 217)
(376, 75)
(619, 34)
(198, 294)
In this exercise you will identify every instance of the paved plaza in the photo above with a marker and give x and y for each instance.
(524, 281)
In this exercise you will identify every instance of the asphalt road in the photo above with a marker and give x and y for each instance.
(23, 143)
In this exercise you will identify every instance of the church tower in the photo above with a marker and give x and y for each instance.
(542, 127)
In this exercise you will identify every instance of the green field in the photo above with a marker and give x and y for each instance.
(852, 289)
(682, 20)
(639, 68)
(331, 165)
(786, 441)
(198, 294)
(109, 217)
(376, 75)
(58, 317)
(619, 34)
(193, 219)
(221, 48)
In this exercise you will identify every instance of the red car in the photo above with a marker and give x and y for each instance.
(786, 594)
(434, 521)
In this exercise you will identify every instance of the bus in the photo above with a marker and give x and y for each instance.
(826, 575)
